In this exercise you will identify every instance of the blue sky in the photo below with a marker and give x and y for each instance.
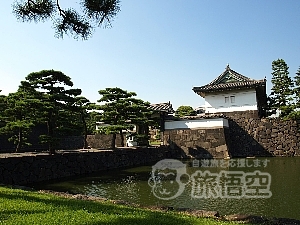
(159, 49)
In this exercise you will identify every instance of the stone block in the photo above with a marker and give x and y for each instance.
(222, 148)
(205, 145)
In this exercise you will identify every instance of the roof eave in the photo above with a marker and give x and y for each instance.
(200, 91)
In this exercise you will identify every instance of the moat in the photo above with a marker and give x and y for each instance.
(132, 185)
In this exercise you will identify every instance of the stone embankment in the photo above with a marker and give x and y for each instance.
(246, 136)
(25, 168)
(271, 136)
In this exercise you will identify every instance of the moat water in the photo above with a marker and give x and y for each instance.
(273, 190)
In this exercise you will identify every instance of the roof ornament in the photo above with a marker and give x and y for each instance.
(227, 67)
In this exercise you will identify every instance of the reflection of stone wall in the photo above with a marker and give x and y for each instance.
(24, 168)
(198, 143)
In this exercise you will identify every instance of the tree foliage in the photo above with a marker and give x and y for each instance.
(51, 88)
(81, 106)
(19, 116)
(122, 111)
(2, 108)
(297, 88)
(70, 21)
(185, 111)
(282, 90)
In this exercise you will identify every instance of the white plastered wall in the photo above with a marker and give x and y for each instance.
(243, 100)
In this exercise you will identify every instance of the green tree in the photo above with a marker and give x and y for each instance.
(140, 115)
(282, 90)
(51, 86)
(82, 105)
(93, 117)
(296, 104)
(297, 88)
(121, 111)
(68, 20)
(19, 116)
(2, 108)
(185, 111)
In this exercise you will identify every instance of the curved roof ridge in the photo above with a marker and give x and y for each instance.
(239, 76)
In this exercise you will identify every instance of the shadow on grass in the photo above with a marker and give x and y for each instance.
(121, 214)
(107, 213)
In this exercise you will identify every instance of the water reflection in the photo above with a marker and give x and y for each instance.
(132, 185)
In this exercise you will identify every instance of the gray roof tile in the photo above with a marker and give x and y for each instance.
(229, 80)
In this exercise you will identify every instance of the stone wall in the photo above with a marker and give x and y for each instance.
(69, 142)
(264, 137)
(248, 135)
(198, 143)
(103, 141)
(253, 136)
(98, 141)
(25, 168)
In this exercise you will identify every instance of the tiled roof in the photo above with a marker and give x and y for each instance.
(162, 107)
(229, 80)
(228, 86)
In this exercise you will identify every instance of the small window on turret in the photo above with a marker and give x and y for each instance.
(226, 99)
(232, 99)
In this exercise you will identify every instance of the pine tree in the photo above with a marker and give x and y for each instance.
(2, 108)
(282, 90)
(51, 87)
(297, 88)
(69, 20)
(19, 116)
(122, 112)
(82, 105)
(185, 111)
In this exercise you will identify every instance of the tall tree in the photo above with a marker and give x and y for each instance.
(185, 111)
(297, 88)
(121, 111)
(82, 105)
(114, 111)
(52, 86)
(69, 20)
(2, 108)
(282, 90)
(140, 114)
(20, 115)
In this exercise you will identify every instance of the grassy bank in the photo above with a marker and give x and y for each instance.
(28, 207)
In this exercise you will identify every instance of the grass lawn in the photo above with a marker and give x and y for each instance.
(29, 207)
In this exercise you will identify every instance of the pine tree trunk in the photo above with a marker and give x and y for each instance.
(113, 141)
(50, 134)
(85, 145)
(122, 138)
(114, 136)
(19, 140)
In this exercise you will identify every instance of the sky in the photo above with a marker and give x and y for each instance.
(159, 49)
